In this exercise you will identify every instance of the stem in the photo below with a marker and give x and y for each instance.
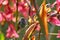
(51, 30)
(53, 34)
(12, 39)
(35, 3)
(17, 15)
(40, 25)
(0, 28)
(39, 36)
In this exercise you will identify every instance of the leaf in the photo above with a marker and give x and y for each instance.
(43, 15)
(29, 31)
(2, 36)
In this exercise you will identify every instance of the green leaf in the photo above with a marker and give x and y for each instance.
(2, 36)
